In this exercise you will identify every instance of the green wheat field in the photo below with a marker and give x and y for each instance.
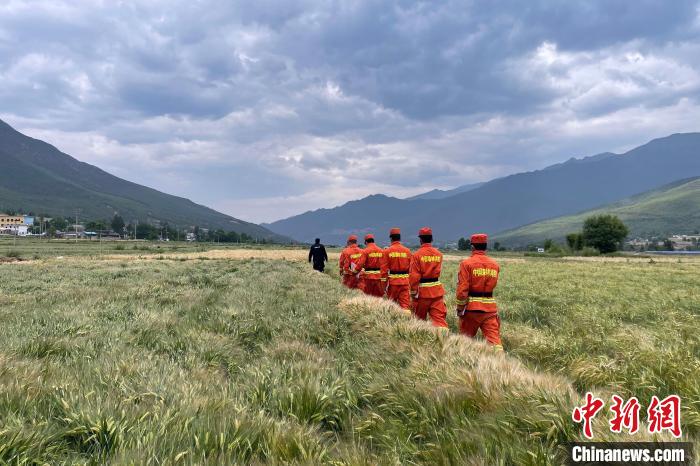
(178, 354)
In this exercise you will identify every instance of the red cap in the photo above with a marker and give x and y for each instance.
(369, 236)
(395, 231)
(425, 231)
(352, 238)
(479, 238)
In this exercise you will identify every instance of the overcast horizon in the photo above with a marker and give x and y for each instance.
(266, 111)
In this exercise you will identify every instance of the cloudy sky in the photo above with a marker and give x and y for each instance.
(264, 109)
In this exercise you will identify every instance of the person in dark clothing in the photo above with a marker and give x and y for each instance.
(317, 253)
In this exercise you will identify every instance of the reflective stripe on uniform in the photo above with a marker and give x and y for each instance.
(398, 275)
(461, 302)
(429, 284)
(372, 272)
(474, 299)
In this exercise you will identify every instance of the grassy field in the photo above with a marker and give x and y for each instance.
(201, 356)
(34, 248)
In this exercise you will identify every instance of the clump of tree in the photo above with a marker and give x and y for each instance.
(575, 241)
(604, 233)
(551, 247)
(96, 225)
(117, 224)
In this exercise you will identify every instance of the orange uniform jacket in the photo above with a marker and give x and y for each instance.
(341, 260)
(372, 261)
(424, 273)
(477, 278)
(397, 262)
(350, 255)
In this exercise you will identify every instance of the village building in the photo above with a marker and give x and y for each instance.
(17, 225)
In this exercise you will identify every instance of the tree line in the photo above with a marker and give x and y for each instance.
(138, 230)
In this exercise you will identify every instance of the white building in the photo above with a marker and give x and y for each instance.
(15, 224)
(16, 230)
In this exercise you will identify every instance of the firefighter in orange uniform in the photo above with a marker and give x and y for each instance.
(397, 260)
(476, 306)
(373, 280)
(347, 264)
(424, 281)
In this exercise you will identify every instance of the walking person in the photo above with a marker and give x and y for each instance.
(318, 255)
(347, 263)
(424, 279)
(476, 306)
(397, 259)
(373, 278)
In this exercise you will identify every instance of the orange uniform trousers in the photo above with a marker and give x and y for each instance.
(351, 281)
(373, 287)
(433, 307)
(400, 294)
(488, 322)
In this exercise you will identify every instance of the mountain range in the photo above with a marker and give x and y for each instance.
(672, 209)
(36, 176)
(512, 201)
(442, 194)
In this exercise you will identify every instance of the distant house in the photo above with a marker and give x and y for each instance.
(74, 231)
(15, 230)
(685, 242)
(15, 224)
(102, 235)
(10, 220)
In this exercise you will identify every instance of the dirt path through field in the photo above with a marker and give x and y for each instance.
(295, 255)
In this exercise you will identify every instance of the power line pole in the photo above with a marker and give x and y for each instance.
(77, 211)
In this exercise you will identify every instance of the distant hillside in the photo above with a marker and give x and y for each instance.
(442, 194)
(662, 212)
(38, 177)
(512, 201)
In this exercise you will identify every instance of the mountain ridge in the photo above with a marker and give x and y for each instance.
(46, 180)
(444, 193)
(514, 200)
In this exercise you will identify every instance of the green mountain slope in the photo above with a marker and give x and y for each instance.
(37, 177)
(673, 209)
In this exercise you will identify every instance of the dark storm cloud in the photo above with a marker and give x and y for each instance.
(428, 59)
(321, 100)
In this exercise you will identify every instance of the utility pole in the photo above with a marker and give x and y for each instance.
(77, 211)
